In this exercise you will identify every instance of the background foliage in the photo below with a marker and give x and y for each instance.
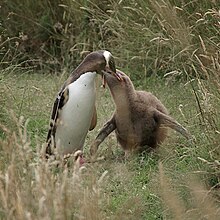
(145, 36)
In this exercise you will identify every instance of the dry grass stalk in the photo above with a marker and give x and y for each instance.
(171, 199)
(171, 23)
(204, 205)
(32, 188)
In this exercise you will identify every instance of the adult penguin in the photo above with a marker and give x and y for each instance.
(74, 111)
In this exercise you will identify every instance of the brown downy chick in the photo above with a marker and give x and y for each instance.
(140, 120)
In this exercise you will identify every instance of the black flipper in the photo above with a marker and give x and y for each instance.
(60, 101)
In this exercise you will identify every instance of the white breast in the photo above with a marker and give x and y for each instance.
(76, 115)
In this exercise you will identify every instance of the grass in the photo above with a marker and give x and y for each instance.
(114, 188)
(164, 36)
(168, 47)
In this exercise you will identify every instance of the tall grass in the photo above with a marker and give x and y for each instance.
(145, 36)
(32, 188)
(110, 189)
(167, 38)
(203, 203)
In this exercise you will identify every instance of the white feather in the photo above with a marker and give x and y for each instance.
(107, 56)
(76, 115)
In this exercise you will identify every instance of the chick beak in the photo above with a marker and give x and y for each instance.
(114, 73)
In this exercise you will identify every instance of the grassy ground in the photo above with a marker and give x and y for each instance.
(179, 181)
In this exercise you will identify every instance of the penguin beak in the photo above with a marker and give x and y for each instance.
(114, 73)
(103, 80)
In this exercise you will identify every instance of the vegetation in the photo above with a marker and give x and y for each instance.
(168, 47)
(160, 36)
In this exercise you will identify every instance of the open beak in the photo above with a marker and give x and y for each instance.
(114, 73)
(109, 71)
(118, 76)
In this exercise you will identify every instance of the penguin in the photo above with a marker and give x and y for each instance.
(74, 111)
(140, 120)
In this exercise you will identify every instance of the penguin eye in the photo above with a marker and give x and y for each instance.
(111, 61)
(112, 65)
